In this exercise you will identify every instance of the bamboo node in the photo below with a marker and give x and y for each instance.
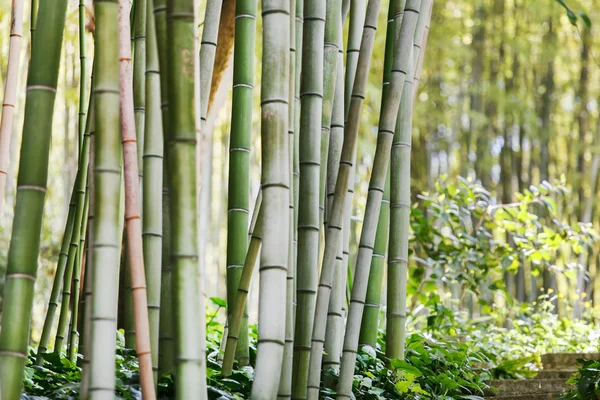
(20, 275)
(13, 354)
(32, 187)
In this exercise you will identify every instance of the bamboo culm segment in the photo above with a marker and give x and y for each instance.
(335, 315)
(129, 125)
(389, 114)
(57, 283)
(334, 227)
(152, 217)
(400, 201)
(239, 161)
(370, 319)
(235, 319)
(166, 354)
(285, 382)
(275, 188)
(399, 221)
(309, 220)
(208, 49)
(10, 92)
(181, 159)
(107, 182)
(73, 254)
(358, 12)
(31, 192)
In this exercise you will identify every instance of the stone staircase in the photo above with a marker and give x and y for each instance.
(548, 384)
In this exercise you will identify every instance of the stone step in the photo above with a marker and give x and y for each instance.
(505, 387)
(543, 396)
(566, 360)
(555, 374)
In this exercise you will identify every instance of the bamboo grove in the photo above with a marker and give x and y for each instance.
(133, 253)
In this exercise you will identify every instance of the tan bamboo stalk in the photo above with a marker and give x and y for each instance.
(10, 91)
(132, 205)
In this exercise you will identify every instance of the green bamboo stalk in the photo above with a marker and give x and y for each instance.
(358, 12)
(166, 355)
(275, 188)
(285, 383)
(336, 127)
(387, 124)
(399, 214)
(73, 341)
(86, 306)
(334, 228)
(57, 283)
(400, 203)
(309, 216)
(152, 218)
(31, 193)
(298, 36)
(370, 319)
(35, 4)
(333, 20)
(243, 289)
(73, 333)
(181, 148)
(239, 159)
(107, 182)
(73, 257)
(10, 92)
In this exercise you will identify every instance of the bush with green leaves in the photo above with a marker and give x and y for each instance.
(461, 239)
(585, 382)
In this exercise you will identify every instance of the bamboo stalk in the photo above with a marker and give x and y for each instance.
(106, 181)
(132, 201)
(243, 289)
(309, 190)
(181, 148)
(152, 219)
(400, 201)
(387, 124)
(239, 160)
(57, 283)
(334, 228)
(370, 319)
(335, 125)
(10, 91)
(285, 383)
(31, 192)
(275, 188)
(166, 355)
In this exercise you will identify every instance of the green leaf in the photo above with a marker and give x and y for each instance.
(402, 365)
(219, 302)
